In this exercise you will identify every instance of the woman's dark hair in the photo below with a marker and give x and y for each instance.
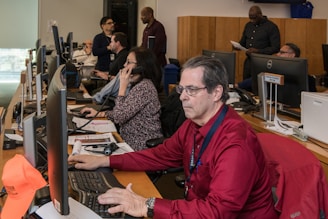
(104, 19)
(214, 73)
(151, 67)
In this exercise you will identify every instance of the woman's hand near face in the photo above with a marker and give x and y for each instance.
(125, 75)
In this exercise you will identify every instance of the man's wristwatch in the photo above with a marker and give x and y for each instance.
(150, 203)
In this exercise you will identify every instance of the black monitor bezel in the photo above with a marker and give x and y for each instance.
(57, 138)
(295, 71)
(228, 59)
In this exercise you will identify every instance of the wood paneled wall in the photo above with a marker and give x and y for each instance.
(196, 33)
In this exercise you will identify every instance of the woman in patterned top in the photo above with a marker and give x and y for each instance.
(137, 112)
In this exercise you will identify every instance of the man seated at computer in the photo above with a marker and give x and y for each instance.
(289, 50)
(226, 174)
(118, 45)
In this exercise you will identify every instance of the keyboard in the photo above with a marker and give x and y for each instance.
(72, 127)
(73, 95)
(89, 184)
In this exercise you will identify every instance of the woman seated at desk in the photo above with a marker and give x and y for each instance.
(137, 112)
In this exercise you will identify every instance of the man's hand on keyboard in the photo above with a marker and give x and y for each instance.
(125, 200)
(89, 162)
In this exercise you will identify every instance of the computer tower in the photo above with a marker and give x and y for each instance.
(125, 15)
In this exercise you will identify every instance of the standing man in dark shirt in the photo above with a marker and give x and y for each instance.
(154, 36)
(101, 47)
(260, 35)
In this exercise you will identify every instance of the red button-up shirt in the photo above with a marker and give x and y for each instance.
(232, 180)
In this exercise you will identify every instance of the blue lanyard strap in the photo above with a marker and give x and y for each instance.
(207, 139)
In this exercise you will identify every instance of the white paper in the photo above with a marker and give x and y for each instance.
(70, 107)
(15, 137)
(77, 211)
(123, 148)
(237, 45)
(97, 125)
(77, 147)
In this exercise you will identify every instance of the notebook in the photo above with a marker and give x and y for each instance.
(314, 110)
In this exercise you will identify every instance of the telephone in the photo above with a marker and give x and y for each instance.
(137, 70)
(245, 96)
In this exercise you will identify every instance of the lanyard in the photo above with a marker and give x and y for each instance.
(207, 139)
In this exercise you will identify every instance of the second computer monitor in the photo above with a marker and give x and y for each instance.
(295, 75)
(229, 61)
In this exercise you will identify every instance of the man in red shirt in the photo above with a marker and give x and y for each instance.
(226, 172)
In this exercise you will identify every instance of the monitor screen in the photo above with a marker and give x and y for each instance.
(57, 141)
(295, 76)
(229, 61)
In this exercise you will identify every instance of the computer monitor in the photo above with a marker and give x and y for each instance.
(325, 57)
(295, 71)
(229, 61)
(41, 61)
(34, 129)
(57, 142)
(58, 44)
(53, 64)
(29, 81)
(69, 45)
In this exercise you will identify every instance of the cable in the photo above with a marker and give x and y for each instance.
(91, 118)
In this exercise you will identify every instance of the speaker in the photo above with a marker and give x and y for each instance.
(125, 15)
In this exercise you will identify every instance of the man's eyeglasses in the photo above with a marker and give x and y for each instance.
(109, 23)
(284, 52)
(190, 90)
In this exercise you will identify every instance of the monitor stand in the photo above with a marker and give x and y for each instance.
(77, 210)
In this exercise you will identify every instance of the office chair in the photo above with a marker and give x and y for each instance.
(297, 177)
(172, 116)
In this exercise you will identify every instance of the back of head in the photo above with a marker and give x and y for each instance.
(214, 73)
(151, 68)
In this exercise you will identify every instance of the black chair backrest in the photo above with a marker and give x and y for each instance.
(325, 57)
(172, 114)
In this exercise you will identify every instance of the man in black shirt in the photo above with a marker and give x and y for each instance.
(260, 35)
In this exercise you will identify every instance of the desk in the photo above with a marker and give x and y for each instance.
(319, 149)
(141, 183)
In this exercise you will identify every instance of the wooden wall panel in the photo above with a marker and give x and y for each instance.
(315, 37)
(214, 33)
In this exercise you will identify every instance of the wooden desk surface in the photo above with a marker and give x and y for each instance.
(319, 149)
(141, 183)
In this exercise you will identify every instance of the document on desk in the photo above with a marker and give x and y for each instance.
(96, 125)
(73, 138)
(237, 45)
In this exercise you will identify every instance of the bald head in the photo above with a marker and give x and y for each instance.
(255, 14)
(147, 15)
